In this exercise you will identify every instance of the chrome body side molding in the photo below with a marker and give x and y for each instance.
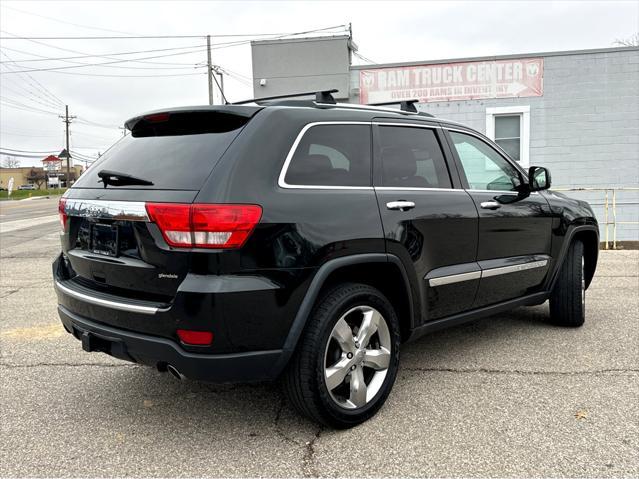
(524, 265)
(514, 268)
(454, 278)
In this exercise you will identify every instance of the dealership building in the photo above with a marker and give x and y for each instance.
(574, 112)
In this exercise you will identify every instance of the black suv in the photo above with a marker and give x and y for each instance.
(306, 240)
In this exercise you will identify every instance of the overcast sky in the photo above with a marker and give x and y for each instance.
(385, 31)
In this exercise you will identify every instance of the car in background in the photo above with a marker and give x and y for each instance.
(26, 187)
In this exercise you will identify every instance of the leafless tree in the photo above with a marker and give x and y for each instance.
(37, 176)
(10, 162)
(631, 41)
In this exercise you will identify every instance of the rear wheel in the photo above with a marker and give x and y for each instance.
(568, 297)
(347, 360)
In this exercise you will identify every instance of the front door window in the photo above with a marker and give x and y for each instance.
(484, 168)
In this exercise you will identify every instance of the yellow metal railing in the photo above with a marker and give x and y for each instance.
(610, 210)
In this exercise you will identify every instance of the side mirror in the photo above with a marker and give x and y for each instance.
(538, 178)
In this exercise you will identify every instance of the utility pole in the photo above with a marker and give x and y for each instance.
(67, 121)
(209, 68)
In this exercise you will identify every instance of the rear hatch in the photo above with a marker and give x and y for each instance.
(112, 240)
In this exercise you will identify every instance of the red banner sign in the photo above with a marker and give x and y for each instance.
(453, 81)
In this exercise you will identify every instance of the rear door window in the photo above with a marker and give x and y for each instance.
(332, 155)
(177, 155)
(412, 158)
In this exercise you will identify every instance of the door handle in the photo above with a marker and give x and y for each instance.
(490, 205)
(400, 205)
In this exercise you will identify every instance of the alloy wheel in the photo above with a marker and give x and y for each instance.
(357, 357)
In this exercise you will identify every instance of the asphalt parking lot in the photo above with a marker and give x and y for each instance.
(507, 396)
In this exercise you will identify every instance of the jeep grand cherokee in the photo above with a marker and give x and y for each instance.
(306, 240)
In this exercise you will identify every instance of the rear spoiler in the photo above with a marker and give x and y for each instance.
(158, 116)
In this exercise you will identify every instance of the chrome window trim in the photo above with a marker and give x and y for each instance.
(415, 188)
(454, 278)
(499, 191)
(486, 273)
(133, 308)
(402, 123)
(106, 209)
(281, 179)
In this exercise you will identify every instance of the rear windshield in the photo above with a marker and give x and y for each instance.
(175, 159)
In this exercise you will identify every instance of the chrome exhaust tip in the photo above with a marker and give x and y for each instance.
(174, 372)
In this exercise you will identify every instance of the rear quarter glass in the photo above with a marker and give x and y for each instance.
(179, 160)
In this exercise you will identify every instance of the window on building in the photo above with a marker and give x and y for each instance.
(509, 127)
(484, 168)
(412, 158)
(508, 134)
(332, 155)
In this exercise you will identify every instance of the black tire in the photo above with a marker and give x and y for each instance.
(567, 299)
(304, 380)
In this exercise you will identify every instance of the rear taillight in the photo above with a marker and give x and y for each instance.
(204, 225)
(63, 216)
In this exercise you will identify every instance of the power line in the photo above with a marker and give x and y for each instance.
(43, 58)
(95, 64)
(19, 155)
(64, 21)
(33, 82)
(98, 55)
(93, 123)
(368, 60)
(28, 151)
(11, 100)
(144, 37)
(25, 130)
(81, 133)
(161, 75)
(218, 46)
(155, 37)
(30, 109)
(28, 92)
(182, 66)
(4, 132)
(81, 155)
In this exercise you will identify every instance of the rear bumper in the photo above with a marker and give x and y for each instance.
(161, 352)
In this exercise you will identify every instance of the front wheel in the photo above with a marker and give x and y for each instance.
(568, 297)
(347, 360)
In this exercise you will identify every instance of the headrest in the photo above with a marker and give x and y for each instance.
(319, 162)
(399, 162)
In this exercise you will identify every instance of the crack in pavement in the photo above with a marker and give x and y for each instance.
(308, 461)
(10, 292)
(591, 372)
(278, 429)
(17, 289)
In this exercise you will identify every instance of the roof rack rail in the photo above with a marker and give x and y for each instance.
(324, 96)
(405, 105)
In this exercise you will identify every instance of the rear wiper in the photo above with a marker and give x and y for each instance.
(115, 178)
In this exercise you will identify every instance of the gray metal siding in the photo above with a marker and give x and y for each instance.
(585, 127)
(291, 66)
